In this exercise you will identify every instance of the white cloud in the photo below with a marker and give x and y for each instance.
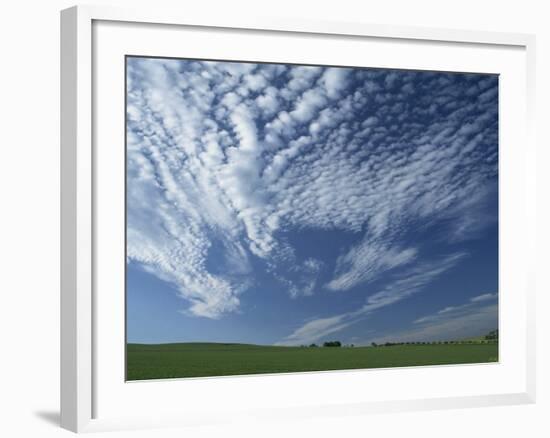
(483, 297)
(447, 309)
(231, 155)
(335, 81)
(308, 106)
(268, 101)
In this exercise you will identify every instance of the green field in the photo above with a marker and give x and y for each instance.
(164, 361)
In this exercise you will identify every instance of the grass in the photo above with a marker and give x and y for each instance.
(162, 361)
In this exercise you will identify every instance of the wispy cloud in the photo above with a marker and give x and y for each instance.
(472, 318)
(410, 282)
(316, 329)
(365, 261)
(227, 157)
(483, 297)
(453, 311)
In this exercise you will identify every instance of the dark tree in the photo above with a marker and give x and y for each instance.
(332, 344)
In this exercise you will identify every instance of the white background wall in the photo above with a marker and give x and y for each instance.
(29, 218)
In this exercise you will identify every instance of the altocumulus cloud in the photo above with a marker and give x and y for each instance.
(229, 157)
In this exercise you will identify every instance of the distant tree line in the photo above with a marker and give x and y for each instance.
(328, 344)
(489, 338)
(390, 344)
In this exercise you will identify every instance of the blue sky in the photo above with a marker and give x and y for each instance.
(283, 204)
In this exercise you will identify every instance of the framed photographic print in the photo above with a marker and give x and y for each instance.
(344, 212)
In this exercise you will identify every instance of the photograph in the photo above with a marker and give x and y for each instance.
(288, 218)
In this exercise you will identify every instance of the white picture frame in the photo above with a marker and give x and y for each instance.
(84, 372)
